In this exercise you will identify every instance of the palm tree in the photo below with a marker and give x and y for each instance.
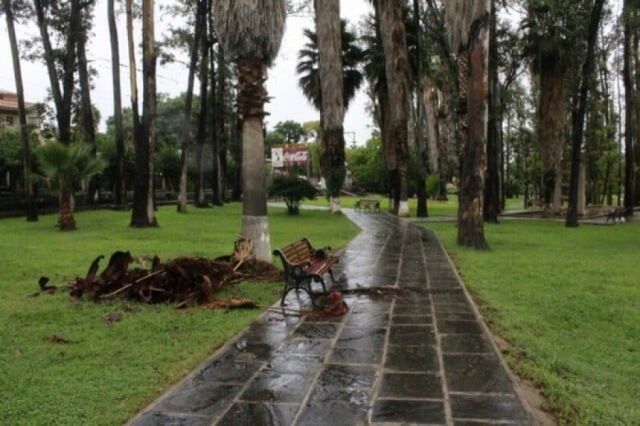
(32, 213)
(468, 28)
(332, 98)
(397, 68)
(67, 166)
(308, 69)
(251, 32)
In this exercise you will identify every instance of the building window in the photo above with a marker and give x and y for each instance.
(8, 119)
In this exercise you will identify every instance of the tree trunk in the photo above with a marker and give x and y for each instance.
(630, 125)
(394, 43)
(551, 129)
(332, 87)
(200, 200)
(188, 104)
(492, 180)
(473, 74)
(421, 149)
(223, 144)
(636, 61)
(579, 111)
(88, 122)
(143, 214)
(251, 100)
(31, 210)
(62, 98)
(119, 195)
(66, 221)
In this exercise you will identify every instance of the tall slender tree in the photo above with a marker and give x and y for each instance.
(60, 62)
(469, 26)
(397, 68)
(421, 146)
(492, 181)
(630, 139)
(201, 134)
(251, 32)
(194, 50)
(119, 190)
(580, 110)
(327, 16)
(87, 119)
(143, 213)
(31, 210)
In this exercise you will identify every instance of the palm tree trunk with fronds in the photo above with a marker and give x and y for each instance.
(332, 87)
(66, 221)
(251, 99)
(119, 190)
(31, 210)
(394, 42)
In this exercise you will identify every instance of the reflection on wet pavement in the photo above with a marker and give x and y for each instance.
(418, 355)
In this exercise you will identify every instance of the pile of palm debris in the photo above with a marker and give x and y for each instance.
(183, 281)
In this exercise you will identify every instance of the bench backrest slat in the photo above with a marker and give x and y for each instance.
(297, 252)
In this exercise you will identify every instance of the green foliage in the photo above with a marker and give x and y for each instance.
(10, 152)
(68, 165)
(291, 131)
(292, 189)
(433, 186)
(308, 68)
(114, 370)
(367, 166)
(567, 302)
(334, 179)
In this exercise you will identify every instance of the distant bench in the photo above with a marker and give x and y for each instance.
(618, 215)
(367, 204)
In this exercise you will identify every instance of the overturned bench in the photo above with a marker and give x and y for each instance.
(303, 265)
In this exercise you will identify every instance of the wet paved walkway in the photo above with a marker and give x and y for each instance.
(418, 356)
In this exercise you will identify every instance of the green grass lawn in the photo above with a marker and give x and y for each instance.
(436, 208)
(568, 300)
(112, 371)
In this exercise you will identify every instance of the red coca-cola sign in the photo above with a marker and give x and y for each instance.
(291, 155)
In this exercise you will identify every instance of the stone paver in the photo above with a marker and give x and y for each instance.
(418, 355)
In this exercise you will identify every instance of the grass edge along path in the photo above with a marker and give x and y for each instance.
(108, 372)
(568, 303)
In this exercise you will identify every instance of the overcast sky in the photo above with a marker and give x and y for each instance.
(288, 103)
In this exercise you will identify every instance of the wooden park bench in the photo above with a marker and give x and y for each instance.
(618, 215)
(367, 204)
(303, 265)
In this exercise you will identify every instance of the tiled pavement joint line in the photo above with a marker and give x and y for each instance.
(485, 328)
(380, 370)
(325, 362)
(443, 378)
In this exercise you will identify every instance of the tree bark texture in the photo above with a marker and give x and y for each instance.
(143, 214)
(551, 128)
(251, 99)
(397, 70)
(492, 180)
(473, 74)
(421, 144)
(332, 87)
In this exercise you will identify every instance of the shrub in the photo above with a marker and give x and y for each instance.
(292, 190)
